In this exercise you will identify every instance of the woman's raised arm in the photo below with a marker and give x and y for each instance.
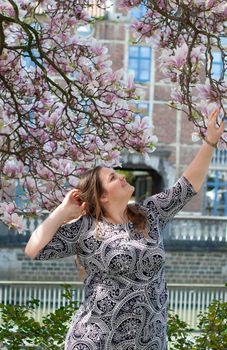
(196, 172)
(70, 208)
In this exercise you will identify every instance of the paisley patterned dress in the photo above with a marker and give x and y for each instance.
(125, 306)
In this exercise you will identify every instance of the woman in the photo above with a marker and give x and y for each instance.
(121, 249)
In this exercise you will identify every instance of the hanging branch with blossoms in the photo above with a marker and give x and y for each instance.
(188, 34)
(62, 108)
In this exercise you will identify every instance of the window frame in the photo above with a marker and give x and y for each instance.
(139, 59)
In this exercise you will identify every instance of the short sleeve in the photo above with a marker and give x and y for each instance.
(65, 241)
(169, 202)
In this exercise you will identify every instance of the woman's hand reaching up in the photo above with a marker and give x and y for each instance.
(214, 131)
(72, 205)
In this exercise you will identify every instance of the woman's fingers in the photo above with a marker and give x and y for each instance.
(215, 128)
(73, 197)
(73, 192)
(213, 119)
(213, 114)
(222, 127)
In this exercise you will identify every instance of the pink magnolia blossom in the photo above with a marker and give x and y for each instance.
(70, 109)
(200, 2)
(197, 54)
(14, 221)
(176, 95)
(207, 92)
(14, 168)
(50, 146)
(130, 84)
(127, 4)
(7, 9)
(184, 54)
(45, 173)
(210, 3)
(73, 181)
(178, 59)
(29, 184)
(35, 209)
(7, 208)
(207, 107)
(145, 141)
(66, 166)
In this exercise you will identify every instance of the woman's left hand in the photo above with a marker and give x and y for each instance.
(214, 131)
(196, 172)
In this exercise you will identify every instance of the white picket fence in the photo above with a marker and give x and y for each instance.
(184, 299)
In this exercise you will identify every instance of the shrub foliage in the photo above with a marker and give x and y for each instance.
(20, 330)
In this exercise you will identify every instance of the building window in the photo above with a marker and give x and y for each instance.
(217, 66)
(216, 193)
(95, 10)
(138, 12)
(139, 63)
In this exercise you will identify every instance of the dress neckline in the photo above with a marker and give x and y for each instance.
(116, 225)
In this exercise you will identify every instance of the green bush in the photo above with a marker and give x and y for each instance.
(19, 330)
(179, 333)
(212, 330)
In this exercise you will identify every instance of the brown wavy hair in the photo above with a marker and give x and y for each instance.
(91, 190)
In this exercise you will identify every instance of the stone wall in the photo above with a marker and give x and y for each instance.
(196, 267)
(206, 265)
(15, 265)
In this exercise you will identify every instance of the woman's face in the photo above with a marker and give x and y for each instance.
(115, 185)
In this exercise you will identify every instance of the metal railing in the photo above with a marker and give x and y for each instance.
(183, 227)
(186, 300)
(197, 228)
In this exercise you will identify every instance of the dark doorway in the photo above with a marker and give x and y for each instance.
(146, 181)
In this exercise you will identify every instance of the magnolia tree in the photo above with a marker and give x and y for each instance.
(188, 34)
(63, 109)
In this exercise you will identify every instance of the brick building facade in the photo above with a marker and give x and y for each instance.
(175, 147)
(189, 263)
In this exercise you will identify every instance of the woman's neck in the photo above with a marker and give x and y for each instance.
(117, 217)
